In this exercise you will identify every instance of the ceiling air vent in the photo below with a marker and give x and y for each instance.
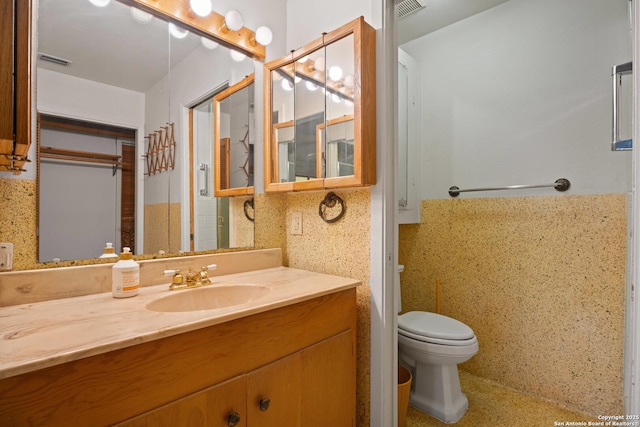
(54, 59)
(407, 7)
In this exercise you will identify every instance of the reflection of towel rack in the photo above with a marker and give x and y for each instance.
(560, 185)
(617, 73)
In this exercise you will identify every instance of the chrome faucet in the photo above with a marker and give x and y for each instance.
(192, 279)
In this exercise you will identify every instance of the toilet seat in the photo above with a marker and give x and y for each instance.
(440, 341)
(435, 328)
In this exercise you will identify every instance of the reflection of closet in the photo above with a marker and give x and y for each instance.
(86, 188)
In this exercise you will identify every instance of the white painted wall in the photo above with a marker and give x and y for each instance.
(307, 20)
(521, 94)
(68, 96)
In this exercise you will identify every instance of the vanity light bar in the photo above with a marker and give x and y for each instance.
(211, 26)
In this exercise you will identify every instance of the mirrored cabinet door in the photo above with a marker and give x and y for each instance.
(340, 72)
(279, 85)
(309, 113)
(233, 115)
(321, 127)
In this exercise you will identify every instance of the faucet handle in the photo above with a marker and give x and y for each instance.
(178, 279)
(204, 273)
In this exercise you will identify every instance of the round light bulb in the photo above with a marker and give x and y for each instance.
(349, 80)
(177, 32)
(99, 3)
(335, 73)
(140, 15)
(311, 87)
(286, 85)
(201, 7)
(335, 98)
(303, 59)
(264, 36)
(208, 43)
(233, 20)
(318, 64)
(237, 56)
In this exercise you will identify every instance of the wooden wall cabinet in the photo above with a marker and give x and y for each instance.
(15, 84)
(320, 113)
(301, 357)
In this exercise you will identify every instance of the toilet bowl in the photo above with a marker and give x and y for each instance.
(431, 346)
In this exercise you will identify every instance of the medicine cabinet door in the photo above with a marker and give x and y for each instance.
(233, 118)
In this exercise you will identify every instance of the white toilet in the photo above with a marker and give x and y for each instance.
(431, 346)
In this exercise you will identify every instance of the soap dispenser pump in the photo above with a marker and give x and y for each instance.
(125, 276)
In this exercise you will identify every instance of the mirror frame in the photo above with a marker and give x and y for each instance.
(218, 191)
(364, 99)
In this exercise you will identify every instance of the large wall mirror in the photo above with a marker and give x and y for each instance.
(127, 99)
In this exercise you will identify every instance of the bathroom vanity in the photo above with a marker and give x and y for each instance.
(286, 357)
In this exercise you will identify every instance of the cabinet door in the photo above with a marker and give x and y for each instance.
(215, 406)
(328, 394)
(273, 394)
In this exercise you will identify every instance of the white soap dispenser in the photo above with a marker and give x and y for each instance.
(109, 251)
(125, 276)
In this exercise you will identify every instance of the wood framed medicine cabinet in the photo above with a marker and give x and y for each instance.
(319, 113)
(15, 84)
(232, 119)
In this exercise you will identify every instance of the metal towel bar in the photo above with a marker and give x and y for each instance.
(561, 184)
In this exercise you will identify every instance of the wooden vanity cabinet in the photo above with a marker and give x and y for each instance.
(313, 385)
(301, 358)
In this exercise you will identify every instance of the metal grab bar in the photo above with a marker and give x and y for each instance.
(561, 184)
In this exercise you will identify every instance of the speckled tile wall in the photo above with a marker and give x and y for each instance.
(341, 249)
(541, 281)
(18, 220)
(270, 224)
(243, 227)
(162, 228)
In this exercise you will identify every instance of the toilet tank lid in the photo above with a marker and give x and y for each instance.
(434, 325)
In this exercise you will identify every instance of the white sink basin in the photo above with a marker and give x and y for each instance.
(208, 298)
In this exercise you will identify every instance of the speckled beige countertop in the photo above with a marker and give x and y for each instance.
(43, 334)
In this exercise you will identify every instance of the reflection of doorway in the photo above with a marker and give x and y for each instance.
(209, 215)
(86, 186)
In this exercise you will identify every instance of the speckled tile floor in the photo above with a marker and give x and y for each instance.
(493, 405)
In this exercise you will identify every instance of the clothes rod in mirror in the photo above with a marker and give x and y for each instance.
(561, 184)
(213, 26)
